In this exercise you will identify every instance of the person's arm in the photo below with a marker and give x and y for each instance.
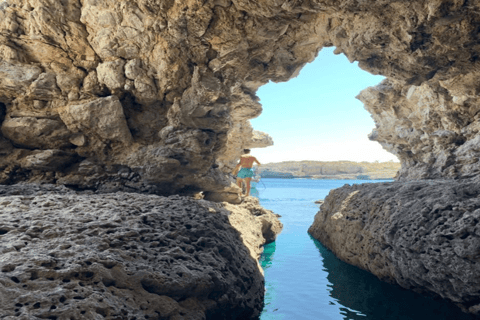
(255, 159)
(237, 168)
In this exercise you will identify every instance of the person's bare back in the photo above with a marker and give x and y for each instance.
(246, 161)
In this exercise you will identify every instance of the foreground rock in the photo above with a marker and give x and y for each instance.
(69, 255)
(422, 235)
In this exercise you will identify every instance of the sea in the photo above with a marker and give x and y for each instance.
(304, 280)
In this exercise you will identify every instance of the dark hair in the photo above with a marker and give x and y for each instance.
(246, 150)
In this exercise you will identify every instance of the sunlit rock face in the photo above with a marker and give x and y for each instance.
(155, 96)
(430, 128)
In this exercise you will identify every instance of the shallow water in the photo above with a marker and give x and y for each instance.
(304, 280)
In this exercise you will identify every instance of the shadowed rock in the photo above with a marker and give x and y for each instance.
(422, 235)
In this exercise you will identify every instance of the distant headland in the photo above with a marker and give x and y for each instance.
(335, 170)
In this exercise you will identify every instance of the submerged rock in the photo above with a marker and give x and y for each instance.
(422, 235)
(70, 255)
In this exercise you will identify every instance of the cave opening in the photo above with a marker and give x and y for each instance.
(316, 116)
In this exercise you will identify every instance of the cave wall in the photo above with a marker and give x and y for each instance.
(155, 96)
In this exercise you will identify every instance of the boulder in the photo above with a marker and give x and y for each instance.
(102, 119)
(122, 255)
(421, 235)
(31, 132)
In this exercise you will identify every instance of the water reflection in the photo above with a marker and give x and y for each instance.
(267, 255)
(266, 262)
(362, 296)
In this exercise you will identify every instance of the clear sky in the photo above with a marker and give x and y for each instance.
(315, 116)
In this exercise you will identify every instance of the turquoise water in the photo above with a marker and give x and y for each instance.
(304, 280)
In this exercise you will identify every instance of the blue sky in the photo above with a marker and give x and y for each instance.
(315, 116)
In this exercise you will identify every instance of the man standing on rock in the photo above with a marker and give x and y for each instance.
(246, 173)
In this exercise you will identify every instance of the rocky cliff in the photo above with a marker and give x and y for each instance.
(70, 255)
(422, 235)
(330, 170)
(155, 96)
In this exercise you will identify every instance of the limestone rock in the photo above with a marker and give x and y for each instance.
(124, 255)
(259, 140)
(101, 118)
(422, 235)
(50, 160)
(36, 132)
(111, 74)
(250, 218)
(186, 66)
(44, 87)
(162, 91)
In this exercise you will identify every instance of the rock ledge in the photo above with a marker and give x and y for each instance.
(422, 235)
(70, 255)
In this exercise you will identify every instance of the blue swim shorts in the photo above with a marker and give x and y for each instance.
(245, 173)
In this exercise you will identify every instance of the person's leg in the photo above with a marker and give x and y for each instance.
(239, 182)
(247, 182)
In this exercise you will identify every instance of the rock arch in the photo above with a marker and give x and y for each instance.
(155, 96)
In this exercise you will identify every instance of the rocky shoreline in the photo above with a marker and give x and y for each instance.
(421, 235)
(84, 255)
(330, 170)
(156, 97)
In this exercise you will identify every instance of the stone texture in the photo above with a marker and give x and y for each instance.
(191, 68)
(257, 225)
(259, 140)
(156, 96)
(422, 235)
(70, 255)
(433, 133)
(35, 133)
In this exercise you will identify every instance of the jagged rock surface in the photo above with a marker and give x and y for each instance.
(70, 255)
(422, 235)
(185, 74)
(180, 79)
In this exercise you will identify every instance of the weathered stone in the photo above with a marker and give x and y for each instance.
(164, 90)
(422, 235)
(50, 160)
(192, 66)
(101, 119)
(15, 78)
(259, 140)
(111, 74)
(44, 87)
(78, 140)
(36, 133)
(5, 146)
(123, 255)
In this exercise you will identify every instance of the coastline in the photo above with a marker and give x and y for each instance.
(328, 178)
(330, 170)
